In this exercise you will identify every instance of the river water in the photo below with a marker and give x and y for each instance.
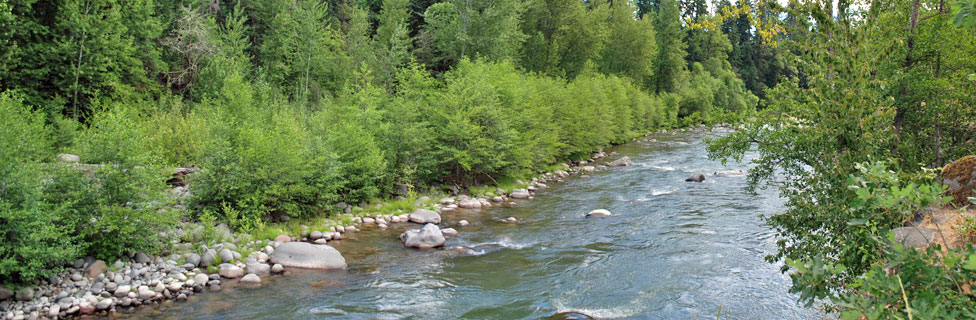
(671, 250)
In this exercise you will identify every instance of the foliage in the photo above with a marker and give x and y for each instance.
(34, 242)
(288, 107)
(921, 284)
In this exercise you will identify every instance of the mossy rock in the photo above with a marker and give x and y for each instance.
(958, 176)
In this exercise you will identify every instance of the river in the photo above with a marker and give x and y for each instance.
(671, 250)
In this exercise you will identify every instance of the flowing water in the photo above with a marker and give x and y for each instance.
(671, 250)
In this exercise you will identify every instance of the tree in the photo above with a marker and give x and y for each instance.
(631, 46)
(303, 53)
(478, 30)
(563, 35)
(392, 42)
(670, 63)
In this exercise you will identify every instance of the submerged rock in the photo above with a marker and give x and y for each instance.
(698, 177)
(728, 173)
(622, 162)
(307, 255)
(570, 315)
(424, 216)
(429, 236)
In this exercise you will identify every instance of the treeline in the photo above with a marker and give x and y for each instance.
(885, 98)
(288, 107)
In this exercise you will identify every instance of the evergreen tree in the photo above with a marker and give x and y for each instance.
(670, 64)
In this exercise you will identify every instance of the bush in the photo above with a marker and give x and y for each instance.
(262, 162)
(119, 204)
(33, 239)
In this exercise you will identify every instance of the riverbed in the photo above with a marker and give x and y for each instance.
(671, 250)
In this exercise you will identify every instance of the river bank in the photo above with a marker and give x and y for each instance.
(671, 250)
(193, 266)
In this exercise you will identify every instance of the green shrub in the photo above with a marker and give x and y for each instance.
(119, 204)
(33, 240)
(262, 162)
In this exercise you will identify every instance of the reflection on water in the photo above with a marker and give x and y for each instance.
(671, 250)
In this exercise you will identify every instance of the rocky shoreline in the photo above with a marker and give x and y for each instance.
(91, 286)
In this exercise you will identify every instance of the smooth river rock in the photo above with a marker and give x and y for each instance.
(424, 216)
(520, 194)
(429, 236)
(622, 162)
(251, 280)
(230, 271)
(599, 213)
(307, 255)
(698, 177)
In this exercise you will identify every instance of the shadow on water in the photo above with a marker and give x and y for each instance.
(671, 250)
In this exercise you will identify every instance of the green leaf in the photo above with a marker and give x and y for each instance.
(964, 16)
(970, 263)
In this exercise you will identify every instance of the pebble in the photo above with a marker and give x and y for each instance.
(463, 223)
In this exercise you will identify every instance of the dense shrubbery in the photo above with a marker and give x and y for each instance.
(52, 212)
(288, 107)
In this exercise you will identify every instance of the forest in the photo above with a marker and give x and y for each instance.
(287, 107)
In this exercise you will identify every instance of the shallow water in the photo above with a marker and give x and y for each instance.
(671, 250)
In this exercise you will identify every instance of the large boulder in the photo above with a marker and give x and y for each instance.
(912, 237)
(698, 177)
(429, 236)
(424, 216)
(960, 177)
(307, 255)
(622, 162)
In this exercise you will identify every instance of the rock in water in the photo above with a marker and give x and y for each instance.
(728, 173)
(698, 177)
(307, 255)
(960, 177)
(570, 315)
(470, 204)
(424, 216)
(428, 237)
(599, 213)
(520, 194)
(251, 280)
(622, 162)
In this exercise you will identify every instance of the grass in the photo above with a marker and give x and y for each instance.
(507, 183)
